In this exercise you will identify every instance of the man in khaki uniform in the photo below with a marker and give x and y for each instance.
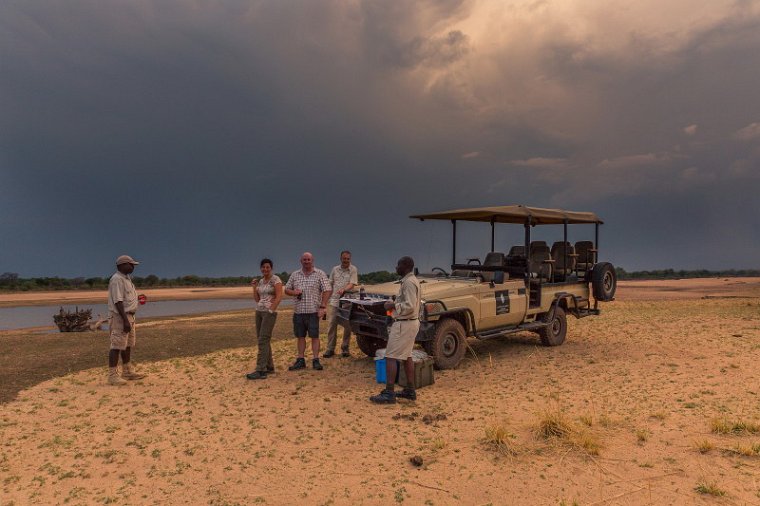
(403, 332)
(343, 278)
(122, 306)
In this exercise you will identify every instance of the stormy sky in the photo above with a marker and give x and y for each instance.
(201, 136)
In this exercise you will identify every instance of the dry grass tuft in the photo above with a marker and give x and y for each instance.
(553, 424)
(745, 451)
(501, 439)
(642, 435)
(704, 446)
(587, 443)
(724, 426)
(709, 489)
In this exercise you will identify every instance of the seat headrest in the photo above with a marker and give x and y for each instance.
(494, 258)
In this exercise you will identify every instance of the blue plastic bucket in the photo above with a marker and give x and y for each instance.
(380, 370)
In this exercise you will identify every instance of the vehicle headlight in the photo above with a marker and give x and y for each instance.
(433, 307)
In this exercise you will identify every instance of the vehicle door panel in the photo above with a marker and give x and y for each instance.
(501, 304)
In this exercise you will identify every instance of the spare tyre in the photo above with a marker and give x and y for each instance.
(604, 281)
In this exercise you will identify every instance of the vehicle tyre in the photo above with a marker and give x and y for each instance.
(556, 330)
(603, 281)
(369, 345)
(449, 344)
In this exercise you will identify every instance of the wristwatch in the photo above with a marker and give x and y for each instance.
(322, 307)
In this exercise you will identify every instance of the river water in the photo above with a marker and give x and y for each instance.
(41, 316)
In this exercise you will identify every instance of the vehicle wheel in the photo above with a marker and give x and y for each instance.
(554, 333)
(448, 345)
(369, 345)
(603, 281)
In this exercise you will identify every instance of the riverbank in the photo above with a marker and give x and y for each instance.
(14, 299)
(657, 289)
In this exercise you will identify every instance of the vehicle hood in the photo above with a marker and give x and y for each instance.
(432, 288)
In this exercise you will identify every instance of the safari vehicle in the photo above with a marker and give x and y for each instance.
(532, 287)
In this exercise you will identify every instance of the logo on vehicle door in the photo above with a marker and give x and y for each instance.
(502, 301)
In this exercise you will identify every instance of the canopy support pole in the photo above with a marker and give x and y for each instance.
(596, 242)
(527, 252)
(492, 235)
(454, 243)
(564, 248)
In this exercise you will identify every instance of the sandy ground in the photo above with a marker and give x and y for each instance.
(636, 396)
(688, 289)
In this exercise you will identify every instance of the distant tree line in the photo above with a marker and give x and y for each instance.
(681, 274)
(10, 281)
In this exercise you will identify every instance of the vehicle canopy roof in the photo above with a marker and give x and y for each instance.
(513, 214)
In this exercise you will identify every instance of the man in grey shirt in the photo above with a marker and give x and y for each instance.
(122, 306)
(343, 278)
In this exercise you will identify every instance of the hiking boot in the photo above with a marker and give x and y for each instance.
(328, 354)
(316, 365)
(270, 369)
(116, 380)
(345, 354)
(129, 373)
(408, 393)
(300, 363)
(384, 397)
(256, 375)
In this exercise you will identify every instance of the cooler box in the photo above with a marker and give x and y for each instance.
(423, 373)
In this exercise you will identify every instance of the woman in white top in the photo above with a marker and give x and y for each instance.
(267, 292)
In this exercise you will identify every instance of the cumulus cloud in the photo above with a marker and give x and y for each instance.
(749, 132)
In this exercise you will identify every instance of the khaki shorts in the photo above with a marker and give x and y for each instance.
(120, 340)
(401, 339)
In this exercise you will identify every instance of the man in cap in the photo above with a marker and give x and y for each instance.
(122, 306)
(402, 334)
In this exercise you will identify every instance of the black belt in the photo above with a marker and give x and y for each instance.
(131, 312)
(405, 319)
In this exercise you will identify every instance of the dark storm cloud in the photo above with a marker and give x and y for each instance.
(201, 137)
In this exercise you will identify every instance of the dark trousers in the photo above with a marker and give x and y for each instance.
(264, 326)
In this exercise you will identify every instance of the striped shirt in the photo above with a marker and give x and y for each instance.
(340, 278)
(311, 285)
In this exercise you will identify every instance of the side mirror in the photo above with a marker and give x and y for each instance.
(498, 277)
